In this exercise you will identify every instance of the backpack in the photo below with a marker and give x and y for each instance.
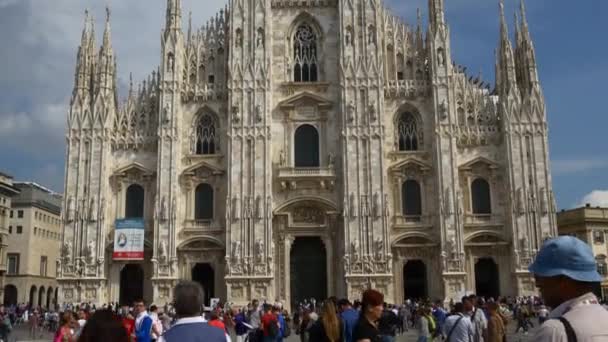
(273, 328)
(432, 325)
(287, 330)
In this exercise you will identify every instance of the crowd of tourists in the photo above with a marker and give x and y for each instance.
(567, 311)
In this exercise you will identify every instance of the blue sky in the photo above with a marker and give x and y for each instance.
(40, 38)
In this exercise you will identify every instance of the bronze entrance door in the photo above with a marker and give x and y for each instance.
(205, 275)
(131, 284)
(486, 278)
(414, 280)
(308, 265)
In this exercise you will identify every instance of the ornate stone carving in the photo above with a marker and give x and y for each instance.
(66, 251)
(354, 246)
(308, 214)
(236, 251)
(379, 248)
(236, 116)
(282, 158)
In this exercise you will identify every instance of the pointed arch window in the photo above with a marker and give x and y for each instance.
(411, 198)
(203, 202)
(306, 146)
(305, 67)
(480, 197)
(409, 133)
(206, 139)
(134, 204)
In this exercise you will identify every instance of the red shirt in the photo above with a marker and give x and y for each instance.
(267, 320)
(218, 324)
(129, 325)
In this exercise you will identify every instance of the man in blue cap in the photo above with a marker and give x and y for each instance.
(566, 273)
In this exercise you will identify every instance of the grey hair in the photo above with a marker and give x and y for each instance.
(188, 299)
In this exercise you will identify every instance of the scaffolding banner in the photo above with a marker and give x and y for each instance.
(129, 239)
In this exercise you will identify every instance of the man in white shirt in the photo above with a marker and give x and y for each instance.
(566, 274)
(458, 327)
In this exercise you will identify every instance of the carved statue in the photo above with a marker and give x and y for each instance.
(259, 40)
(348, 37)
(532, 203)
(377, 205)
(447, 200)
(171, 62)
(544, 205)
(92, 210)
(523, 244)
(71, 209)
(272, 248)
(258, 113)
(330, 160)
(90, 251)
(353, 205)
(379, 248)
(236, 207)
(163, 208)
(66, 250)
(236, 250)
(162, 251)
(166, 113)
(354, 246)
(351, 111)
(371, 38)
(282, 158)
(174, 209)
(259, 208)
(269, 207)
(372, 112)
(520, 201)
(440, 57)
(250, 207)
(387, 206)
(228, 208)
(102, 209)
(236, 117)
(364, 206)
(460, 202)
(239, 37)
(259, 250)
(345, 207)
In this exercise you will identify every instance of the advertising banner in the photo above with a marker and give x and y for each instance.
(129, 239)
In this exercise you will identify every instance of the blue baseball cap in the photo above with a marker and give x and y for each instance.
(566, 256)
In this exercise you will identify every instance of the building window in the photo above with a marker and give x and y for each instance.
(19, 213)
(206, 138)
(408, 132)
(203, 202)
(598, 236)
(305, 54)
(480, 197)
(13, 263)
(11, 214)
(134, 202)
(10, 229)
(19, 229)
(602, 268)
(43, 268)
(411, 198)
(306, 146)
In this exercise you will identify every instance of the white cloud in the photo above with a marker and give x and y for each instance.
(596, 198)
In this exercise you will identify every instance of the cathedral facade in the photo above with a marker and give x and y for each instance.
(293, 149)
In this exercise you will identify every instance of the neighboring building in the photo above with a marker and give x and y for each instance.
(7, 192)
(34, 241)
(296, 149)
(589, 224)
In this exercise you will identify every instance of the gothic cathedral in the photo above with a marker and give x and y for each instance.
(297, 149)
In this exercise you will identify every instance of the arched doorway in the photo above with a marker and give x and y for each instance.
(308, 265)
(33, 293)
(205, 275)
(415, 280)
(41, 294)
(131, 284)
(10, 295)
(486, 278)
(49, 297)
